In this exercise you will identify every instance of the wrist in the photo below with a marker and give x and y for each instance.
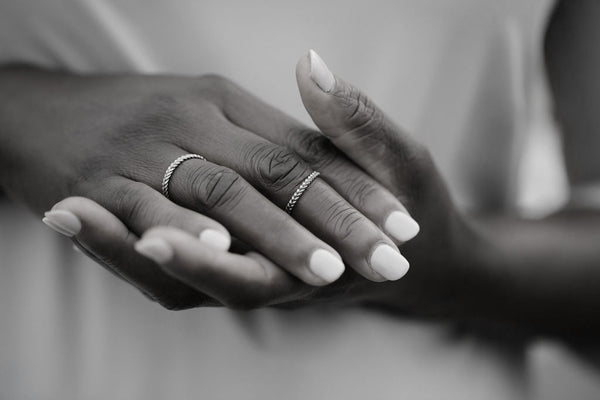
(27, 114)
(484, 280)
(477, 285)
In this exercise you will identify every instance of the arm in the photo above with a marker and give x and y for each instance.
(547, 271)
(554, 264)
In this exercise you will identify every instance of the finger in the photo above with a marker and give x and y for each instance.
(362, 191)
(237, 281)
(222, 194)
(142, 207)
(103, 237)
(277, 173)
(356, 125)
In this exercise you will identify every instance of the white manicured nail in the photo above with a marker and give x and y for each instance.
(319, 72)
(326, 265)
(62, 221)
(401, 226)
(215, 239)
(388, 262)
(156, 249)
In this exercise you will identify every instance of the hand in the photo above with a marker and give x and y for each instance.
(363, 133)
(442, 256)
(110, 139)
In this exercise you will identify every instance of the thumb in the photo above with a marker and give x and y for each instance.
(353, 122)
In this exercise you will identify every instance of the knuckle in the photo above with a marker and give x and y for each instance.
(158, 113)
(313, 147)
(275, 167)
(159, 116)
(216, 187)
(89, 177)
(215, 80)
(360, 189)
(359, 111)
(342, 218)
(130, 202)
(215, 86)
(217, 90)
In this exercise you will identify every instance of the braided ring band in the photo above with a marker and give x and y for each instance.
(172, 167)
(300, 191)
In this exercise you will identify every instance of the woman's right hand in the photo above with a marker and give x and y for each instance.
(110, 139)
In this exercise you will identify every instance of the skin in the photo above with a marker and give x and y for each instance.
(110, 139)
(542, 274)
(483, 269)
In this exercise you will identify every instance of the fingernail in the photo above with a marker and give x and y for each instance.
(215, 239)
(62, 221)
(156, 249)
(401, 226)
(319, 72)
(326, 265)
(388, 262)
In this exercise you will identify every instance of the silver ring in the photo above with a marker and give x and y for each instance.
(172, 167)
(300, 191)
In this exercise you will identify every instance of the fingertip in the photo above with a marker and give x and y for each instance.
(388, 262)
(155, 248)
(321, 91)
(87, 212)
(326, 265)
(302, 75)
(63, 222)
(320, 72)
(217, 239)
(313, 73)
(303, 66)
(401, 226)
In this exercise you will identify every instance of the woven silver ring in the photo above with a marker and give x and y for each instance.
(300, 191)
(171, 169)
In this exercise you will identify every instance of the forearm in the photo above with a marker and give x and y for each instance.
(543, 274)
